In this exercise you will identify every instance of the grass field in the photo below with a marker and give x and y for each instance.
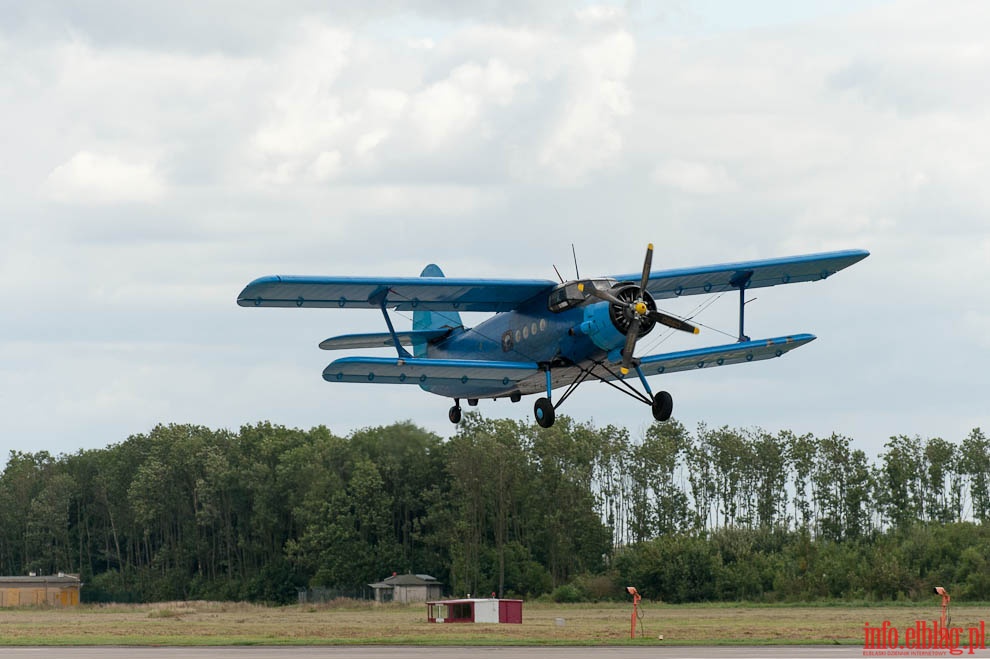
(213, 623)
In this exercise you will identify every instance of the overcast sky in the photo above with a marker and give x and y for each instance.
(156, 157)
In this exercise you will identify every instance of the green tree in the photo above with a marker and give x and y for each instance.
(659, 502)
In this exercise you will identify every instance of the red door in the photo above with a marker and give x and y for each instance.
(510, 611)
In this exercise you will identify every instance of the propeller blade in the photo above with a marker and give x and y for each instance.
(647, 267)
(671, 321)
(601, 295)
(627, 351)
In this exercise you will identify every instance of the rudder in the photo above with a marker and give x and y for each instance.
(432, 320)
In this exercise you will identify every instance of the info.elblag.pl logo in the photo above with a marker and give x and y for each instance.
(924, 639)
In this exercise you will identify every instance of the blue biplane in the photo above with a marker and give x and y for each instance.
(544, 335)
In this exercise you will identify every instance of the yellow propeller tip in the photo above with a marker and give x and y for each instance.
(697, 331)
(650, 246)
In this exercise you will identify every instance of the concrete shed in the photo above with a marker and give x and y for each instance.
(58, 590)
(407, 588)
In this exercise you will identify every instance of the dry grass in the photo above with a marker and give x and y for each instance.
(344, 622)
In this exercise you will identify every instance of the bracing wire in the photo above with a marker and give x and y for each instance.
(663, 337)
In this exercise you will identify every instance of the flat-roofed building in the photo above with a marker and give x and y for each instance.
(475, 610)
(56, 590)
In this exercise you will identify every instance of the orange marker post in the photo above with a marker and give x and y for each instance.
(945, 604)
(632, 622)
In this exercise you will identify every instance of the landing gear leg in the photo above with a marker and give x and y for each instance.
(454, 414)
(663, 406)
(543, 410)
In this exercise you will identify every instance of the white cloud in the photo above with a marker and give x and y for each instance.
(599, 14)
(586, 137)
(96, 178)
(693, 177)
(327, 166)
(452, 108)
(422, 44)
(306, 113)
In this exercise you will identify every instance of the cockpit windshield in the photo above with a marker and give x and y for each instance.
(568, 295)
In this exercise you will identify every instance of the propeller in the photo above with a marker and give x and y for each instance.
(638, 309)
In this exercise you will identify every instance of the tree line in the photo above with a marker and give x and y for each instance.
(572, 512)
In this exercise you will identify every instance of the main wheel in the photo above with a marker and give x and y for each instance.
(454, 414)
(663, 405)
(543, 411)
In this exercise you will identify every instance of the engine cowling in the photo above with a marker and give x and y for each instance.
(608, 324)
(621, 316)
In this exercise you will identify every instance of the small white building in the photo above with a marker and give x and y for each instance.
(475, 610)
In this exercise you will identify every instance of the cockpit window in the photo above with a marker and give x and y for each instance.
(568, 295)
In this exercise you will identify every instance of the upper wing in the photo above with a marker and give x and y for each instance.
(403, 293)
(768, 272)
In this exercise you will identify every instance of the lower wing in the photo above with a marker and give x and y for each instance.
(428, 373)
(470, 377)
(672, 362)
(733, 353)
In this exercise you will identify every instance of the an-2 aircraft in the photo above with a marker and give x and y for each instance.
(544, 335)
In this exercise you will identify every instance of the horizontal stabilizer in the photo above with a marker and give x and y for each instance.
(382, 339)
(734, 353)
(429, 372)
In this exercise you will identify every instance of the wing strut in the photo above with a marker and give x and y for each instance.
(642, 378)
(380, 297)
(741, 281)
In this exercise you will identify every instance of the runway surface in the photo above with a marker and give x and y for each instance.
(420, 652)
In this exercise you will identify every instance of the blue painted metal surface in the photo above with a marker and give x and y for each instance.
(402, 293)
(734, 353)
(425, 319)
(380, 339)
(466, 378)
(767, 272)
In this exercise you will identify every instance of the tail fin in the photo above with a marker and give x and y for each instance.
(432, 320)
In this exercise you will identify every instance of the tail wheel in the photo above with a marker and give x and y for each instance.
(663, 406)
(544, 413)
